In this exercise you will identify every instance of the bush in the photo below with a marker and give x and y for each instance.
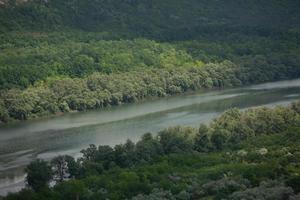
(176, 140)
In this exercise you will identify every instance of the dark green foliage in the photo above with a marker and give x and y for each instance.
(101, 90)
(218, 140)
(25, 194)
(156, 194)
(172, 71)
(266, 190)
(80, 55)
(202, 142)
(169, 19)
(294, 182)
(176, 140)
(23, 65)
(64, 167)
(148, 148)
(4, 116)
(72, 189)
(75, 55)
(82, 65)
(224, 187)
(262, 166)
(125, 154)
(39, 174)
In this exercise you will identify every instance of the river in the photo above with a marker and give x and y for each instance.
(22, 142)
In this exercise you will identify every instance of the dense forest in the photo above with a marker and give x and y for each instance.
(77, 55)
(59, 56)
(168, 19)
(249, 155)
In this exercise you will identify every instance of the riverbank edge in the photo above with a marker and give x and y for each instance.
(13, 121)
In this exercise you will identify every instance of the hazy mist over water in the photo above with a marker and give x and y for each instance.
(22, 142)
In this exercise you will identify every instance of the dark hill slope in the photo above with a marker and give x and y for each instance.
(153, 18)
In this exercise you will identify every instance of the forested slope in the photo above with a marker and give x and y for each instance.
(159, 19)
(56, 55)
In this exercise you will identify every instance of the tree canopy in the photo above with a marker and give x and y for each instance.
(184, 163)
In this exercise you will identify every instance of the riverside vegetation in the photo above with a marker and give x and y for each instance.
(250, 155)
(77, 55)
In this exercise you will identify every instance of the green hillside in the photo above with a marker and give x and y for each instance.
(60, 56)
(188, 45)
(168, 19)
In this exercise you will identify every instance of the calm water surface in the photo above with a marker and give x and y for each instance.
(22, 142)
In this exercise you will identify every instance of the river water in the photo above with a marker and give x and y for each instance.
(22, 142)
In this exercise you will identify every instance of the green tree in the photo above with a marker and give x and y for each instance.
(218, 139)
(82, 65)
(202, 142)
(148, 148)
(89, 154)
(105, 155)
(39, 174)
(4, 116)
(73, 189)
(125, 154)
(176, 140)
(63, 167)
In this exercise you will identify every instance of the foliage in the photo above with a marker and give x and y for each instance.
(156, 194)
(176, 140)
(63, 167)
(101, 90)
(39, 174)
(171, 166)
(266, 190)
(78, 55)
(169, 19)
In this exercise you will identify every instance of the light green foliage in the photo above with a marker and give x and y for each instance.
(79, 59)
(241, 125)
(62, 94)
(101, 90)
(93, 54)
(74, 55)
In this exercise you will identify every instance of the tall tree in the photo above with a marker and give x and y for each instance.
(39, 174)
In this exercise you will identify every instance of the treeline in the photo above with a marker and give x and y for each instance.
(240, 155)
(56, 95)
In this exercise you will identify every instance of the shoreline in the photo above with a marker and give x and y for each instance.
(104, 132)
(146, 99)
